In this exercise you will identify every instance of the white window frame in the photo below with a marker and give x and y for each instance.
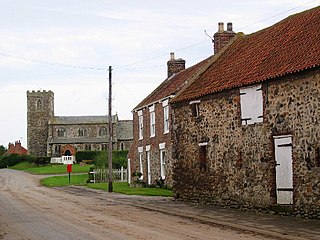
(165, 105)
(140, 116)
(163, 158)
(196, 105)
(152, 121)
(148, 154)
(140, 150)
(251, 102)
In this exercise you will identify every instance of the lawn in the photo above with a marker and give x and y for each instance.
(81, 179)
(50, 169)
(118, 187)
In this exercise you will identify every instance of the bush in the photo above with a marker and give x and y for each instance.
(119, 159)
(13, 159)
(41, 161)
(86, 155)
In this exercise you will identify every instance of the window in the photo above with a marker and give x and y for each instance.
(165, 116)
(203, 156)
(57, 149)
(61, 132)
(38, 105)
(251, 102)
(152, 121)
(163, 159)
(104, 147)
(82, 132)
(103, 131)
(140, 125)
(195, 108)
(122, 146)
(88, 147)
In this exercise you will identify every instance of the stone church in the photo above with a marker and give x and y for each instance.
(55, 136)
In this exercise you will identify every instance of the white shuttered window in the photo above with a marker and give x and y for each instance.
(251, 101)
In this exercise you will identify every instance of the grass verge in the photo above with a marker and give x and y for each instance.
(50, 169)
(118, 187)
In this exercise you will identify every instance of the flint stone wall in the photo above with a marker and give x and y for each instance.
(240, 163)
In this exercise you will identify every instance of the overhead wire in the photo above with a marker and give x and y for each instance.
(126, 66)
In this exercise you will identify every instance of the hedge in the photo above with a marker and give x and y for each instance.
(13, 159)
(119, 158)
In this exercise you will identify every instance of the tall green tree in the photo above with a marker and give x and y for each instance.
(2, 150)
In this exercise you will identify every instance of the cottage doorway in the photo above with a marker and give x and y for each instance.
(283, 158)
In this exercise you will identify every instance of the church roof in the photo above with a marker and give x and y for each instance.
(79, 120)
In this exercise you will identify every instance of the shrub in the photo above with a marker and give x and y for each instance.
(86, 155)
(41, 160)
(119, 159)
(10, 160)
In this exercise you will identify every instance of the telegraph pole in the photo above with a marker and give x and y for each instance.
(110, 189)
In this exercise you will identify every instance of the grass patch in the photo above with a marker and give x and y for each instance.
(123, 187)
(62, 181)
(118, 187)
(50, 169)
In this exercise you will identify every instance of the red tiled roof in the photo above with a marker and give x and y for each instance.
(171, 85)
(289, 46)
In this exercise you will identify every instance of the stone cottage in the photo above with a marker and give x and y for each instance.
(55, 136)
(246, 131)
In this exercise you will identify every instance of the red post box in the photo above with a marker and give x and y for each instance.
(69, 168)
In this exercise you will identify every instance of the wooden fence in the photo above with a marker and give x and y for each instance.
(102, 175)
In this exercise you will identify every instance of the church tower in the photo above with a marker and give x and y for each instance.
(40, 109)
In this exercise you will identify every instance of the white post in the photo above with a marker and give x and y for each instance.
(121, 174)
(129, 171)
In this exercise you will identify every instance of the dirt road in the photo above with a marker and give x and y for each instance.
(30, 211)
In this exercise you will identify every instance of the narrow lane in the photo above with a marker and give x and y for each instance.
(30, 211)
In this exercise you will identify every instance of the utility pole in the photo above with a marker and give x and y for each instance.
(110, 189)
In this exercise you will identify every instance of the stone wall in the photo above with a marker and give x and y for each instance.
(40, 108)
(240, 163)
(81, 143)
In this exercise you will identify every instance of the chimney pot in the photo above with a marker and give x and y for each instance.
(220, 27)
(229, 27)
(175, 65)
(172, 56)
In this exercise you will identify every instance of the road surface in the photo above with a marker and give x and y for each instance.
(31, 211)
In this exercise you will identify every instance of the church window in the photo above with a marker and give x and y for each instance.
(103, 131)
(82, 132)
(61, 132)
(104, 147)
(38, 105)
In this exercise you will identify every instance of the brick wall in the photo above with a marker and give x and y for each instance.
(153, 142)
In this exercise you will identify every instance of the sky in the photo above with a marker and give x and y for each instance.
(66, 46)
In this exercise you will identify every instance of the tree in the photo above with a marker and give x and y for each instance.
(2, 150)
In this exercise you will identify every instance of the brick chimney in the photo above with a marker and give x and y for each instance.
(175, 65)
(222, 37)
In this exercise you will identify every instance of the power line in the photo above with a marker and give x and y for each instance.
(266, 19)
(125, 67)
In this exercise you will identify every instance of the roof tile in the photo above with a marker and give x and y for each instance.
(289, 46)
